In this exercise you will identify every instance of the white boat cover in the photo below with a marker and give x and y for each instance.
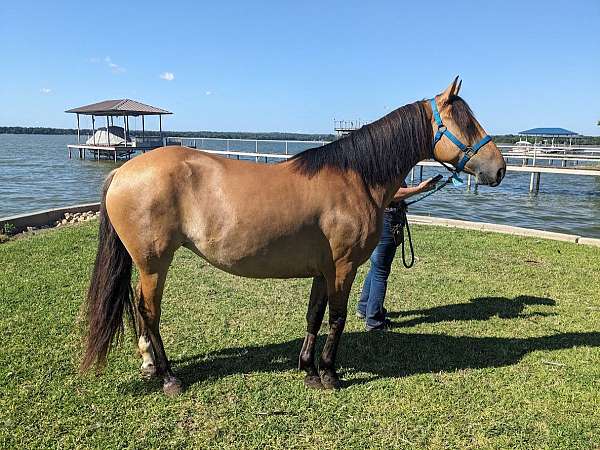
(117, 136)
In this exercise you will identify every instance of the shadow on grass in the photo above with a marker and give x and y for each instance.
(390, 354)
(482, 308)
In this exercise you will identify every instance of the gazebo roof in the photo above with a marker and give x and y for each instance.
(552, 132)
(123, 107)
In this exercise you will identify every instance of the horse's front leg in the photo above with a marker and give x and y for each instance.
(314, 318)
(338, 292)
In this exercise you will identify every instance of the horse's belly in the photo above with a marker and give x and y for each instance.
(280, 260)
(257, 267)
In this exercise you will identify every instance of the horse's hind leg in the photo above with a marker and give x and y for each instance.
(151, 290)
(148, 368)
(314, 318)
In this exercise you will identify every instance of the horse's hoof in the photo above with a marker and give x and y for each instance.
(172, 387)
(148, 371)
(313, 382)
(329, 380)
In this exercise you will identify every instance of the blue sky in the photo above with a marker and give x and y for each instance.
(294, 66)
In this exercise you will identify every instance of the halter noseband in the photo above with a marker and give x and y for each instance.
(468, 150)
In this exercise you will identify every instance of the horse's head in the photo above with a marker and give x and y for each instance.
(461, 141)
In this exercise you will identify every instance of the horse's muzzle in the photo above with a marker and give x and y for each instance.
(491, 180)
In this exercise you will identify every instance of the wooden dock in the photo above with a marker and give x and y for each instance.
(114, 152)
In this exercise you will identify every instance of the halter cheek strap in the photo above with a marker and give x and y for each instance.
(469, 151)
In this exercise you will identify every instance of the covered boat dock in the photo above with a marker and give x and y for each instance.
(545, 134)
(116, 141)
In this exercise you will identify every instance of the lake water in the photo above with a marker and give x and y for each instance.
(35, 174)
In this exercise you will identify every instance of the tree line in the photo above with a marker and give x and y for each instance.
(514, 138)
(199, 134)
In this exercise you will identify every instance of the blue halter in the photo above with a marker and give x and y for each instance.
(468, 150)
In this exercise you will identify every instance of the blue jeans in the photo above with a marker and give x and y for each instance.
(372, 296)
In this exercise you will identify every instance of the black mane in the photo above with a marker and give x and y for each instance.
(463, 118)
(379, 152)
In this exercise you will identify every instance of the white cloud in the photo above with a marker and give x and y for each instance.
(208, 92)
(169, 76)
(46, 91)
(115, 68)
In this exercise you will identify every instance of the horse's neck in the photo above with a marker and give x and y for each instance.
(383, 195)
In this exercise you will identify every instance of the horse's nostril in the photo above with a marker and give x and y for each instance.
(500, 175)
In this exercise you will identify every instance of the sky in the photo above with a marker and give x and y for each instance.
(295, 66)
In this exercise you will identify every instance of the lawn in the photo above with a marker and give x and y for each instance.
(496, 344)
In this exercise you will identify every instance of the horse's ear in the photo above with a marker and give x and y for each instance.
(450, 91)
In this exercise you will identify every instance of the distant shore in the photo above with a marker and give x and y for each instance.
(268, 135)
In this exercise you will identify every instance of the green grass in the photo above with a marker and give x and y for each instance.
(497, 345)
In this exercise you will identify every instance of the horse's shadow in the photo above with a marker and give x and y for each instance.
(391, 354)
(482, 308)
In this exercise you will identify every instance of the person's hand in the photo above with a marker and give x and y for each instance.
(426, 185)
(404, 192)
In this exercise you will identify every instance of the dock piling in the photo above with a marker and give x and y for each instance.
(534, 182)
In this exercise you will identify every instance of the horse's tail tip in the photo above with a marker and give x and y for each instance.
(92, 362)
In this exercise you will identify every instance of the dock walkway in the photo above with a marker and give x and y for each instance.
(114, 152)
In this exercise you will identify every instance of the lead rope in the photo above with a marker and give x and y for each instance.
(433, 191)
(398, 230)
(410, 244)
(400, 221)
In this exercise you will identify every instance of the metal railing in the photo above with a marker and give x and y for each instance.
(348, 124)
(246, 148)
(146, 139)
(531, 155)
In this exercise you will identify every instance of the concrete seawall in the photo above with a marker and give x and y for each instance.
(49, 216)
(506, 229)
(46, 217)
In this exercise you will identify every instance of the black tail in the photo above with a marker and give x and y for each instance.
(110, 292)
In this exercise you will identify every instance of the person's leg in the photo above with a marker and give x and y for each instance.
(381, 262)
(361, 307)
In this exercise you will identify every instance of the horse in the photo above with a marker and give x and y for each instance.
(316, 215)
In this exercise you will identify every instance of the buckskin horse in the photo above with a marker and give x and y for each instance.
(318, 214)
